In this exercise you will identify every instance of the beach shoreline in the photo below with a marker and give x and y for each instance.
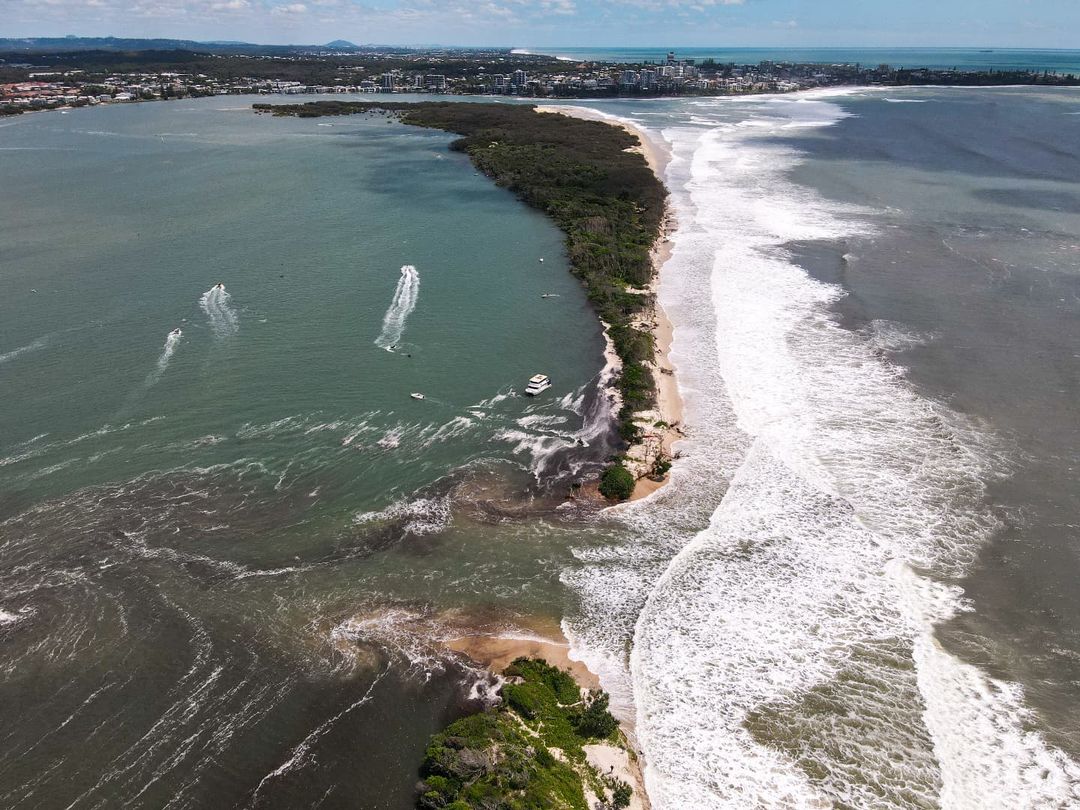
(662, 426)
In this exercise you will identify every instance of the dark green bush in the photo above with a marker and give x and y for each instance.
(616, 484)
(595, 720)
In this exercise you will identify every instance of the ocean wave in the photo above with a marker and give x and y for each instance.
(785, 655)
(418, 516)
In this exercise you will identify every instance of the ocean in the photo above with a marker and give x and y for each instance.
(1054, 61)
(231, 558)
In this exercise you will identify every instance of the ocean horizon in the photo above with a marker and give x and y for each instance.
(1032, 59)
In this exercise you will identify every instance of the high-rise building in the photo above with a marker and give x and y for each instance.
(521, 78)
(436, 81)
(388, 81)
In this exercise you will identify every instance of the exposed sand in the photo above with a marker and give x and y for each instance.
(657, 441)
(610, 760)
(496, 652)
(655, 156)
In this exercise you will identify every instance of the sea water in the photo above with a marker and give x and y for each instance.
(973, 59)
(875, 310)
(230, 557)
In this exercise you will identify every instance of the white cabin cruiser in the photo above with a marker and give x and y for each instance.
(538, 383)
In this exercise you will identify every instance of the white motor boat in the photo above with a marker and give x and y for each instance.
(538, 383)
(416, 395)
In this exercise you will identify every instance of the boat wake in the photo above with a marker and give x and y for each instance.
(401, 307)
(216, 303)
(167, 351)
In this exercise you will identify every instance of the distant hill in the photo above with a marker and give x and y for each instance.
(45, 45)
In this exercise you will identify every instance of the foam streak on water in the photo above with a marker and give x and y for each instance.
(167, 351)
(216, 303)
(401, 307)
(786, 656)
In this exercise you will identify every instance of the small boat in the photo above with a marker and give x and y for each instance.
(175, 332)
(541, 260)
(416, 395)
(550, 295)
(538, 383)
(219, 286)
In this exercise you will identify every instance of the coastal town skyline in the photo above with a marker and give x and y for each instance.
(562, 23)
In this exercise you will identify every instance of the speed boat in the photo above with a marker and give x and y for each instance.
(175, 332)
(416, 395)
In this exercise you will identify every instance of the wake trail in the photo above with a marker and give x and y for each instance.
(402, 305)
(167, 351)
(215, 302)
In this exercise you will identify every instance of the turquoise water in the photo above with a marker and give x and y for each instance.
(190, 524)
(1059, 61)
(307, 226)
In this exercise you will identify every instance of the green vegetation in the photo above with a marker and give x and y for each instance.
(525, 754)
(617, 483)
(604, 198)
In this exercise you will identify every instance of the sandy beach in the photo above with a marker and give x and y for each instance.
(663, 426)
(496, 651)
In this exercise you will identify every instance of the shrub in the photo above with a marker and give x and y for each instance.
(616, 484)
(620, 793)
(596, 720)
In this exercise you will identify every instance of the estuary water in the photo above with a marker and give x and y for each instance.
(225, 548)
(230, 556)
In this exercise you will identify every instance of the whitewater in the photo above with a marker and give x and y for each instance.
(785, 656)
(217, 304)
(401, 307)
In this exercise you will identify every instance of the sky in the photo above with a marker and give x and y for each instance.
(550, 23)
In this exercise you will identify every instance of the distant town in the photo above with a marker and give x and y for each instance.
(37, 75)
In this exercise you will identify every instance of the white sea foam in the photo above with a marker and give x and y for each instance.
(785, 656)
(167, 351)
(217, 304)
(401, 307)
(40, 343)
(417, 516)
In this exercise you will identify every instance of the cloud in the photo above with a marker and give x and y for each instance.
(291, 8)
(230, 5)
(559, 6)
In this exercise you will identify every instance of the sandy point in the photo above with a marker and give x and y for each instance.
(661, 427)
(497, 651)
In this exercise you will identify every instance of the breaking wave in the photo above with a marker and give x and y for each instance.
(785, 655)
